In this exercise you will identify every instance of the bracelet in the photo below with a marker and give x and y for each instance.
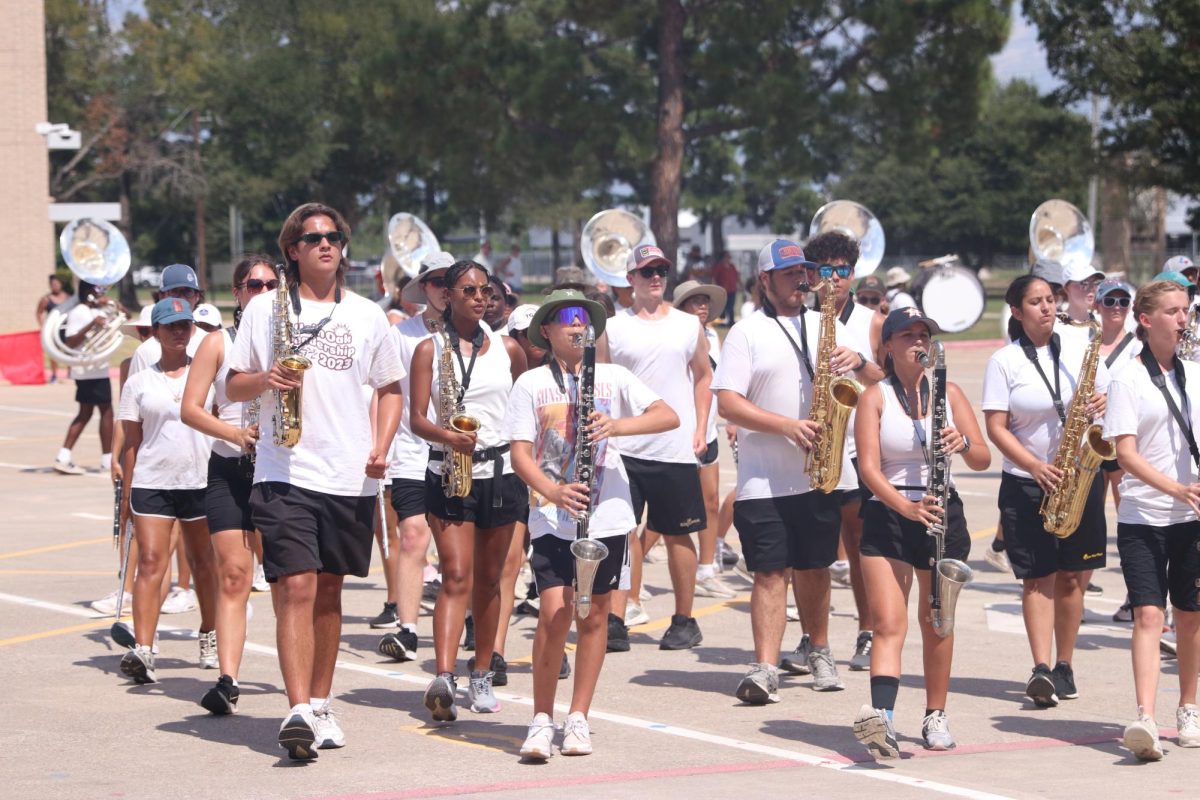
(966, 444)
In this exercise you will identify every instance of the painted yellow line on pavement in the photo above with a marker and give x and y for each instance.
(568, 647)
(32, 637)
(979, 534)
(50, 548)
(467, 738)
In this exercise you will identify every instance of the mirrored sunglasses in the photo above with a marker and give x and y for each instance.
(570, 315)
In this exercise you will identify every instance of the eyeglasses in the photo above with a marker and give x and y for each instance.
(182, 292)
(1115, 302)
(333, 237)
(873, 300)
(256, 285)
(437, 282)
(1090, 283)
(485, 289)
(657, 271)
(827, 271)
(569, 315)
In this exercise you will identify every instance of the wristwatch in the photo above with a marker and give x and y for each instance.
(966, 444)
(862, 361)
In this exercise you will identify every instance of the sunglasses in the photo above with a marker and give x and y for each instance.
(570, 315)
(437, 282)
(1115, 302)
(333, 237)
(658, 271)
(256, 285)
(873, 301)
(485, 290)
(827, 271)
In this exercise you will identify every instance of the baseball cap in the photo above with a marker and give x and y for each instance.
(871, 284)
(208, 314)
(1178, 277)
(179, 276)
(902, 318)
(170, 309)
(1111, 285)
(644, 255)
(521, 316)
(1049, 271)
(1079, 271)
(1178, 264)
(781, 254)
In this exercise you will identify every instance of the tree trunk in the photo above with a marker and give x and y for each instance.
(666, 173)
(577, 242)
(555, 251)
(1115, 229)
(717, 221)
(127, 291)
(201, 244)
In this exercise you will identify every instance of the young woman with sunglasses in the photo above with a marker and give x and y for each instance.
(473, 533)
(1119, 349)
(230, 477)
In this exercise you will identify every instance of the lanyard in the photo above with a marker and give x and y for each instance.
(1055, 351)
(294, 293)
(1160, 381)
(557, 371)
(918, 426)
(801, 351)
(847, 309)
(466, 369)
(1108, 361)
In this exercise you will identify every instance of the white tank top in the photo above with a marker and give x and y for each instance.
(228, 411)
(901, 457)
(486, 398)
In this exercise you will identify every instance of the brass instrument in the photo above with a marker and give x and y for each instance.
(1080, 450)
(834, 398)
(607, 240)
(1060, 234)
(287, 401)
(1189, 340)
(857, 222)
(456, 466)
(409, 241)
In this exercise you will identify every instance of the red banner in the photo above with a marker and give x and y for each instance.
(21, 359)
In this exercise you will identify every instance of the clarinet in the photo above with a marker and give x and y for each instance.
(585, 448)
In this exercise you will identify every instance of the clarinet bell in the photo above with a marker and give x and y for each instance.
(588, 554)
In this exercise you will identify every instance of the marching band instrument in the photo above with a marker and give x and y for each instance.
(456, 466)
(98, 254)
(607, 240)
(948, 575)
(1060, 234)
(287, 426)
(383, 526)
(1080, 450)
(949, 293)
(588, 553)
(856, 221)
(128, 540)
(1189, 339)
(834, 398)
(409, 241)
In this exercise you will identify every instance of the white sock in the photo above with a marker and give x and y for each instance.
(409, 626)
(705, 571)
(841, 564)
(64, 455)
(301, 708)
(317, 702)
(106, 461)
(235, 683)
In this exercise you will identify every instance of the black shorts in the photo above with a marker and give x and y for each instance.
(181, 504)
(1035, 552)
(887, 534)
(671, 490)
(800, 531)
(408, 497)
(227, 499)
(1161, 560)
(711, 454)
(94, 392)
(553, 565)
(304, 530)
(1110, 465)
(477, 506)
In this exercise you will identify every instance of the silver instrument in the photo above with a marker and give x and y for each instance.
(588, 553)
(1060, 234)
(409, 241)
(857, 222)
(607, 240)
(1189, 340)
(383, 526)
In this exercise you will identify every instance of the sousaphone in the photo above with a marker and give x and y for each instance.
(857, 222)
(409, 241)
(607, 240)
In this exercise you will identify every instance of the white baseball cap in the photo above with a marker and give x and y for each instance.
(521, 316)
(1177, 264)
(1080, 271)
(142, 321)
(208, 314)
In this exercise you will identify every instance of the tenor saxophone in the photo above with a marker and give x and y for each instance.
(456, 468)
(287, 401)
(1080, 450)
(834, 397)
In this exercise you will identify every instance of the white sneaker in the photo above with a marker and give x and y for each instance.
(259, 584)
(539, 742)
(644, 594)
(713, 586)
(656, 554)
(68, 468)
(298, 733)
(179, 601)
(1187, 720)
(329, 734)
(208, 650)
(635, 614)
(1141, 736)
(577, 736)
(793, 613)
(997, 559)
(479, 692)
(839, 573)
(108, 604)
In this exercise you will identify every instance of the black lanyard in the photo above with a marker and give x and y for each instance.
(557, 371)
(467, 369)
(847, 309)
(294, 293)
(801, 351)
(1055, 351)
(1111, 357)
(1160, 381)
(918, 425)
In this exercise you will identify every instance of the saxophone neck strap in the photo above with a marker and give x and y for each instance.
(1055, 353)
(801, 351)
(1116, 352)
(294, 294)
(918, 421)
(847, 309)
(467, 368)
(1182, 419)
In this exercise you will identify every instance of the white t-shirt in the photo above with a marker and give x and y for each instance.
(758, 363)
(355, 348)
(898, 298)
(1127, 355)
(511, 273)
(78, 318)
(486, 399)
(858, 331)
(714, 352)
(747, 309)
(228, 411)
(172, 455)
(150, 351)
(540, 413)
(1011, 383)
(410, 453)
(1136, 407)
(659, 352)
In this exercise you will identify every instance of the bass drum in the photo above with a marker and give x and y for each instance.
(950, 295)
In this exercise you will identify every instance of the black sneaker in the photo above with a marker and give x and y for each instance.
(564, 671)
(728, 556)
(684, 633)
(1064, 681)
(222, 698)
(388, 619)
(618, 635)
(797, 661)
(499, 669)
(1040, 688)
(469, 637)
(400, 646)
(1093, 589)
(526, 609)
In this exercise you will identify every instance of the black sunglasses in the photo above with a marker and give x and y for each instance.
(1115, 302)
(869, 301)
(256, 285)
(333, 237)
(470, 290)
(658, 271)
(437, 282)
(827, 271)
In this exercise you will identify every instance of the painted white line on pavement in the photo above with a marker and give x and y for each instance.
(23, 410)
(89, 515)
(24, 467)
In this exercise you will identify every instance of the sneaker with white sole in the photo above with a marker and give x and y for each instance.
(793, 613)
(797, 661)
(1040, 688)
(935, 730)
(1187, 720)
(259, 584)
(208, 650)
(839, 573)
(479, 692)
(644, 594)
(298, 733)
(635, 614)
(873, 727)
(861, 660)
(222, 698)
(68, 468)
(539, 742)
(138, 665)
(577, 736)
(1124, 613)
(328, 733)
(713, 586)
(388, 618)
(179, 601)
(1141, 737)
(108, 604)
(997, 559)
(760, 686)
(1167, 644)
(824, 671)
(399, 646)
(439, 698)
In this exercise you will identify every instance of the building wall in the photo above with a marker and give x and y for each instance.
(27, 251)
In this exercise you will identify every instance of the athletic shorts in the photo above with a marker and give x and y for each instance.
(408, 497)
(181, 504)
(887, 534)
(1035, 552)
(799, 531)
(859, 495)
(672, 491)
(1110, 465)
(1158, 561)
(478, 506)
(94, 392)
(227, 499)
(553, 565)
(304, 531)
(711, 454)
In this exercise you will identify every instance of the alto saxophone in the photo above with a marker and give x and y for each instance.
(1080, 450)
(456, 468)
(834, 397)
(287, 401)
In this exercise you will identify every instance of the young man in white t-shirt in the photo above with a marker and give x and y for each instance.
(92, 387)
(668, 351)
(543, 423)
(178, 280)
(315, 502)
(764, 385)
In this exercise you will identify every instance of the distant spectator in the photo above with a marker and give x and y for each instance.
(484, 256)
(725, 275)
(872, 293)
(897, 280)
(498, 309)
(695, 268)
(510, 269)
(752, 300)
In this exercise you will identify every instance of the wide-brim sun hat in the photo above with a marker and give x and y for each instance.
(565, 297)
(414, 290)
(689, 289)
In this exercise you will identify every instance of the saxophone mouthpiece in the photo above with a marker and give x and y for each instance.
(923, 357)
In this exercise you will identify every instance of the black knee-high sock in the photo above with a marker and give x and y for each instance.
(884, 689)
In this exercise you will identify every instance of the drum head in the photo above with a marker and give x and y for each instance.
(951, 296)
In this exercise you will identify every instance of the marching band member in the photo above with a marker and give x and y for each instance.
(892, 427)
(314, 503)
(164, 466)
(668, 351)
(541, 419)
(472, 532)
(1027, 387)
(178, 280)
(230, 477)
(764, 386)
(93, 390)
(1120, 348)
(1152, 416)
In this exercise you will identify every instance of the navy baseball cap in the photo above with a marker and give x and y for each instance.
(171, 309)
(781, 254)
(179, 276)
(902, 318)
